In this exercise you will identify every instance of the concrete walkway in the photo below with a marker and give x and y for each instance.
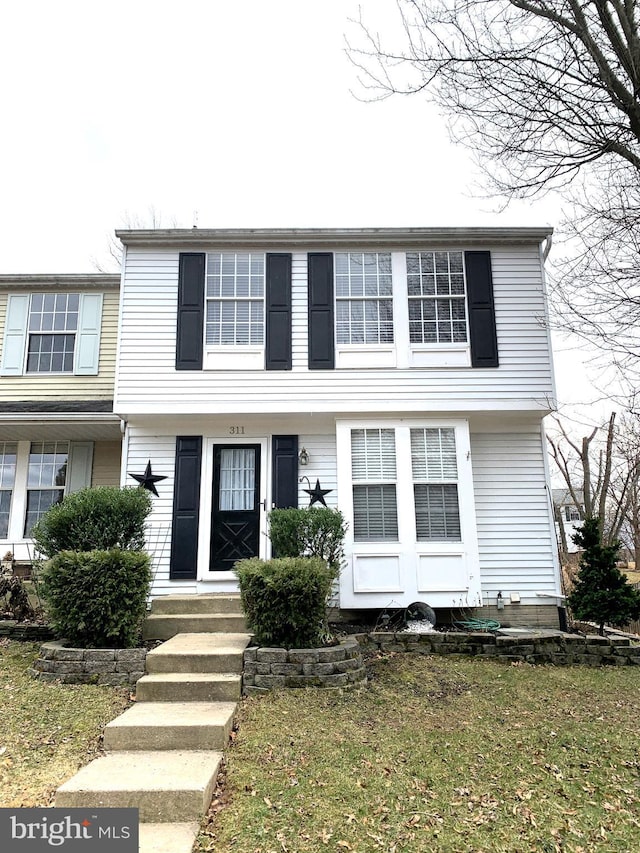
(163, 753)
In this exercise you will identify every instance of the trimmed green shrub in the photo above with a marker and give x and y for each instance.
(94, 519)
(285, 600)
(97, 598)
(601, 593)
(312, 532)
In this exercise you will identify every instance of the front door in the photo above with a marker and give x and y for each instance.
(235, 520)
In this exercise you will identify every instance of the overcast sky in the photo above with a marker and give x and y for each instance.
(226, 113)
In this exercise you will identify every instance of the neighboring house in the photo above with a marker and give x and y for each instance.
(401, 375)
(58, 432)
(570, 515)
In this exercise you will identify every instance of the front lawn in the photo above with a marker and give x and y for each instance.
(47, 730)
(448, 755)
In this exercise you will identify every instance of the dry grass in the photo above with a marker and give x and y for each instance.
(47, 731)
(449, 755)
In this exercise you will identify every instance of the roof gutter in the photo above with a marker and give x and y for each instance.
(332, 237)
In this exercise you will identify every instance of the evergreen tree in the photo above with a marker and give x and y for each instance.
(602, 593)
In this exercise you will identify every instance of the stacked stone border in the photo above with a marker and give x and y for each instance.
(59, 662)
(27, 631)
(561, 650)
(338, 666)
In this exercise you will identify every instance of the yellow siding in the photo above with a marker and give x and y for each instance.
(41, 386)
(106, 463)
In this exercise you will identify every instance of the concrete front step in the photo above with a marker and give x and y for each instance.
(171, 725)
(167, 787)
(189, 687)
(221, 653)
(163, 626)
(167, 837)
(206, 603)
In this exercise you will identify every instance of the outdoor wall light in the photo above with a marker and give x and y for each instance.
(303, 457)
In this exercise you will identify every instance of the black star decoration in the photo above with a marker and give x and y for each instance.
(148, 480)
(317, 494)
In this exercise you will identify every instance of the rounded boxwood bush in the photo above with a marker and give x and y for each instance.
(285, 600)
(97, 598)
(94, 519)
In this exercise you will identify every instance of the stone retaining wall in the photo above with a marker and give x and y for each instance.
(59, 662)
(561, 650)
(28, 631)
(332, 666)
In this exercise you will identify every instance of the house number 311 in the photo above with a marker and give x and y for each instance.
(236, 430)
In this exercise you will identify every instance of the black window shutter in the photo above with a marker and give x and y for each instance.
(186, 508)
(482, 319)
(189, 332)
(278, 292)
(320, 270)
(284, 471)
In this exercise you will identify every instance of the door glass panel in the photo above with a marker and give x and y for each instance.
(237, 478)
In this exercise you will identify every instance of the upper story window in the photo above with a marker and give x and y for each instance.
(235, 299)
(572, 513)
(437, 299)
(364, 298)
(52, 333)
(53, 322)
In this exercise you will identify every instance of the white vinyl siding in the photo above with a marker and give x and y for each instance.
(515, 529)
(148, 381)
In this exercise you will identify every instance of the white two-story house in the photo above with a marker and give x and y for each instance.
(399, 374)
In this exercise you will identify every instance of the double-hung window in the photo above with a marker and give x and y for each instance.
(437, 298)
(52, 333)
(572, 513)
(364, 298)
(373, 475)
(46, 479)
(8, 454)
(235, 299)
(53, 323)
(435, 484)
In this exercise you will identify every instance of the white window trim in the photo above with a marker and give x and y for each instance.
(357, 356)
(86, 350)
(435, 354)
(402, 353)
(206, 501)
(235, 356)
(80, 458)
(408, 553)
